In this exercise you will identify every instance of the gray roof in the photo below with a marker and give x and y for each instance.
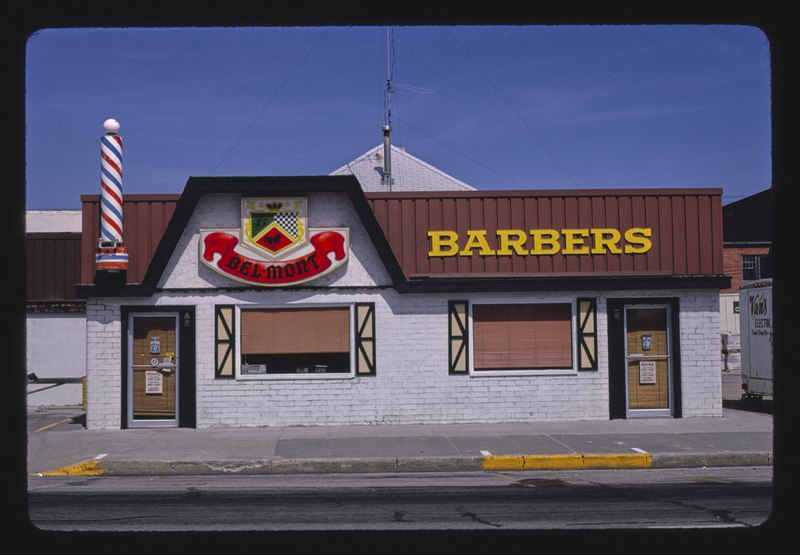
(53, 221)
(408, 173)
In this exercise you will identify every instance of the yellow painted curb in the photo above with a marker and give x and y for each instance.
(85, 468)
(53, 425)
(618, 460)
(567, 462)
(503, 462)
(553, 462)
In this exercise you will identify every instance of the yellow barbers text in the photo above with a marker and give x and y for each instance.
(510, 242)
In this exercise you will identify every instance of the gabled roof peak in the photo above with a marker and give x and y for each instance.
(408, 172)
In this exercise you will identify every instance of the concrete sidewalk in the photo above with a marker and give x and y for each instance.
(737, 438)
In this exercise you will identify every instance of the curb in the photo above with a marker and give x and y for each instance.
(91, 467)
(567, 462)
(587, 461)
(700, 460)
(295, 466)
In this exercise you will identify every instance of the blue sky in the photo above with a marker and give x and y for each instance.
(498, 107)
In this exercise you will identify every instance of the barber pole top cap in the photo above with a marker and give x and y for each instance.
(111, 126)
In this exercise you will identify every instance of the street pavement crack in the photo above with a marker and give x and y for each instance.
(567, 447)
(95, 520)
(453, 445)
(399, 516)
(475, 517)
(84, 482)
(721, 514)
(192, 493)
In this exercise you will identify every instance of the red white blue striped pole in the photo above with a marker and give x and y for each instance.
(111, 184)
(111, 256)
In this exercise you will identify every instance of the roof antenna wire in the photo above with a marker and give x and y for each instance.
(386, 179)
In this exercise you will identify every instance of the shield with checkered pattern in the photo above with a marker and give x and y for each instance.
(273, 225)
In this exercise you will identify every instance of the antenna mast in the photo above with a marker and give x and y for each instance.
(387, 127)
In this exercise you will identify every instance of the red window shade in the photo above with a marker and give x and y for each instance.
(520, 336)
(298, 330)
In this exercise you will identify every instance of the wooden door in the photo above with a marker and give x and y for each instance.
(648, 360)
(153, 369)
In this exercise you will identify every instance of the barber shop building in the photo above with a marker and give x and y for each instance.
(308, 301)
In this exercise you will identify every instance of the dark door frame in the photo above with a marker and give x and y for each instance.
(187, 409)
(617, 396)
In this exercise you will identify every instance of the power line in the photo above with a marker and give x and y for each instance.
(390, 87)
(381, 92)
(390, 65)
(457, 152)
(269, 102)
(511, 107)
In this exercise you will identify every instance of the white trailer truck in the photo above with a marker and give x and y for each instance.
(756, 320)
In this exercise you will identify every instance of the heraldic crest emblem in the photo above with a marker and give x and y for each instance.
(273, 226)
(274, 246)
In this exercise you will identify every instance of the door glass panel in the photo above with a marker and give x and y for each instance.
(648, 363)
(154, 367)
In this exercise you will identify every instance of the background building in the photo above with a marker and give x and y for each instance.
(55, 316)
(747, 254)
(747, 237)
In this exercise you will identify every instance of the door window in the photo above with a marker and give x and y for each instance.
(647, 353)
(153, 369)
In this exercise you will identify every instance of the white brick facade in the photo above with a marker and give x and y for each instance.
(103, 365)
(700, 379)
(412, 383)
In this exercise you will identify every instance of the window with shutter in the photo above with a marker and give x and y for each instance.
(295, 341)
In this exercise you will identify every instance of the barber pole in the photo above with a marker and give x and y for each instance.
(111, 255)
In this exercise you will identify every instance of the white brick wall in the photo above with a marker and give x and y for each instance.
(412, 384)
(103, 365)
(701, 381)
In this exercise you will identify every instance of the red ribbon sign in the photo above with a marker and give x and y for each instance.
(284, 272)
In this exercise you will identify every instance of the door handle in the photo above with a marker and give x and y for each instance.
(156, 367)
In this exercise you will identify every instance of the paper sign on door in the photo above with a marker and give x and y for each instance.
(647, 371)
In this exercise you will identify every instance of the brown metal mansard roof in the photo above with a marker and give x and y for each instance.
(686, 229)
(686, 226)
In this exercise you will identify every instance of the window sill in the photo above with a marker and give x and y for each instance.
(522, 373)
(301, 377)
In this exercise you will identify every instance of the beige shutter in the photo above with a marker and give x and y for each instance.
(458, 337)
(224, 341)
(365, 339)
(587, 334)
